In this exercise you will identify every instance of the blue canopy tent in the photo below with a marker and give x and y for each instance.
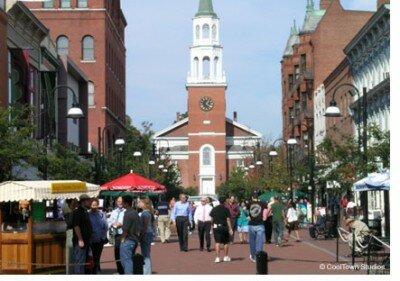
(374, 181)
(378, 182)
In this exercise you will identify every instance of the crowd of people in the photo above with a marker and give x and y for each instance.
(133, 223)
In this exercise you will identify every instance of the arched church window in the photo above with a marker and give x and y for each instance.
(206, 67)
(196, 67)
(214, 32)
(197, 32)
(206, 156)
(206, 31)
(216, 67)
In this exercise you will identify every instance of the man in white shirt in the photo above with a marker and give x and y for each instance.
(203, 220)
(115, 225)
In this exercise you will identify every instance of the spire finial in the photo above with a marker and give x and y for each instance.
(293, 30)
(206, 8)
(310, 5)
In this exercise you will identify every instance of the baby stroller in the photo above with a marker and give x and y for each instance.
(319, 228)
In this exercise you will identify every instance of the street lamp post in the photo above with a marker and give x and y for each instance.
(290, 143)
(334, 111)
(75, 112)
(311, 159)
(119, 142)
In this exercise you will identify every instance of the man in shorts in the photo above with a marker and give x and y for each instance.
(221, 222)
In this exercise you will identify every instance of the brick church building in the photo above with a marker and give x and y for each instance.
(206, 146)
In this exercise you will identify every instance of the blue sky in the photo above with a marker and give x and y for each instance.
(253, 33)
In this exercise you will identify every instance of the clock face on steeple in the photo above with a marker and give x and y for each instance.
(206, 103)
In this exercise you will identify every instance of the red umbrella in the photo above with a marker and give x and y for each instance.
(133, 183)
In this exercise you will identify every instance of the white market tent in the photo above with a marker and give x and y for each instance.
(11, 191)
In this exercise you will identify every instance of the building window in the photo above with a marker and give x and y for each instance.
(48, 4)
(197, 32)
(196, 67)
(62, 45)
(65, 3)
(214, 32)
(304, 101)
(303, 63)
(206, 156)
(206, 31)
(91, 93)
(88, 48)
(216, 67)
(206, 68)
(82, 3)
(296, 72)
(290, 82)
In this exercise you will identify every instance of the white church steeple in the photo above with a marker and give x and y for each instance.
(206, 51)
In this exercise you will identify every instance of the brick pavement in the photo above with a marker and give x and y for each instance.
(292, 258)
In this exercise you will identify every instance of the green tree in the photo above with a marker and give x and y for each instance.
(16, 146)
(237, 184)
(345, 160)
(64, 164)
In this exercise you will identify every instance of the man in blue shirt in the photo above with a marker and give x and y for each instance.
(115, 225)
(181, 217)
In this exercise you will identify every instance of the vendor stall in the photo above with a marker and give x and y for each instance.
(131, 185)
(377, 185)
(32, 236)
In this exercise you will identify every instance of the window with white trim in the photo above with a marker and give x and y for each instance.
(88, 48)
(82, 4)
(62, 45)
(206, 31)
(65, 3)
(206, 156)
(91, 93)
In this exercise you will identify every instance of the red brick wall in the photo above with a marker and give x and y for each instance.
(108, 71)
(3, 60)
(181, 131)
(336, 127)
(324, 4)
(218, 125)
(334, 32)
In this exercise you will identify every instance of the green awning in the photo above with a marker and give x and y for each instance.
(268, 195)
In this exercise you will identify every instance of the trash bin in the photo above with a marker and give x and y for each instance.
(262, 262)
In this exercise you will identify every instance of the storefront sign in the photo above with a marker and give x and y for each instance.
(66, 187)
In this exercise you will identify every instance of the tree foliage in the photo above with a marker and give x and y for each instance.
(16, 145)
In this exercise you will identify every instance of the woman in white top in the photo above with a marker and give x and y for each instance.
(292, 219)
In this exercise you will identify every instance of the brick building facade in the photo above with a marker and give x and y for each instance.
(3, 55)
(91, 33)
(338, 128)
(310, 56)
(206, 146)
